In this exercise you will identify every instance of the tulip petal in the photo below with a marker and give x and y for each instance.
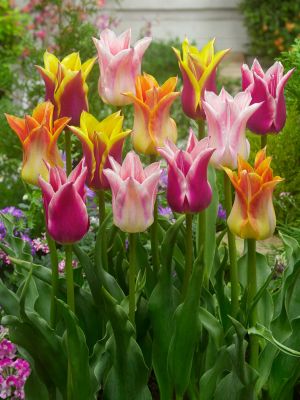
(280, 115)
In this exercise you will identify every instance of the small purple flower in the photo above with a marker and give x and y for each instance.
(15, 212)
(163, 180)
(164, 211)
(6, 261)
(221, 212)
(2, 230)
(62, 265)
(40, 245)
(7, 349)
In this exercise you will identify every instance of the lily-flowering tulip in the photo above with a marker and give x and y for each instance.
(134, 191)
(198, 69)
(100, 139)
(119, 65)
(152, 121)
(64, 203)
(252, 215)
(227, 117)
(65, 83)
(188, 188)
(38, 134)
(267, 88)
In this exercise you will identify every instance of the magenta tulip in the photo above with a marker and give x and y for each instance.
(267, 88)
(188, 188)
(227, 117)
(134, 191)
(64, 203)
(119, 65)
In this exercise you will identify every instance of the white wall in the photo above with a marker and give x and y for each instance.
(200, 20)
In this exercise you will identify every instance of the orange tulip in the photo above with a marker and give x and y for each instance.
(252, 215)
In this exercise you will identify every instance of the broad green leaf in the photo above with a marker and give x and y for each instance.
(9, 301)
(212, 325)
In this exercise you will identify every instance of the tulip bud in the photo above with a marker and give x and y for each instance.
(38, 135)
(100, 139)
(134, 191)
(119, 65)
(267, 88)
(252, 215)
(64, 204)
(188, 188)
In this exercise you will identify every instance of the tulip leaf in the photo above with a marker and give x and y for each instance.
(162, 304)
(186, 332)
(128, 377)
(9, 301)
(78, 355)
(212, 325)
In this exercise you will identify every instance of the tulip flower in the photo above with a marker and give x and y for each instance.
(267, 88)
(119, 65)
(64, 203)
(252, 215)
(198, 69)
(65, 83)
(134, 191)
(152, 121)
(99, 141)
(226, 120)
(188, 188)
(38, 135)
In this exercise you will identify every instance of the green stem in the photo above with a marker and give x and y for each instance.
(68, 149)
(234, 279)
(263, 141)
(69, 277)
(102, 215)
(251, 277)
(154, 233)
(54, 279)
(201, 128)
(132, 273)
(188, 253)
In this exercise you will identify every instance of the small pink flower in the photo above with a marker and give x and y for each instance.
(188, 188)
(40, 34)
(119, 65)
(134, 191)
(267, 88)
(64, 203)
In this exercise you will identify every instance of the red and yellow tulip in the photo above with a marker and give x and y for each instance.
(65, 83)
(252, 215)
(198, 69)
(99, 140)
(152, 121)
(38, 134)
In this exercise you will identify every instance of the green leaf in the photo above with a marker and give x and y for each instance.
(9, 301)
(212, 325)
(78, 355)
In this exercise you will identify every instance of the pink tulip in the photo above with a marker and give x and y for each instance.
(188, 188)
(119, 65)
(134, 191)
(64, 203)
(267, 87)
(227, 117)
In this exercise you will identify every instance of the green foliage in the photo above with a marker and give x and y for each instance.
(272, 25)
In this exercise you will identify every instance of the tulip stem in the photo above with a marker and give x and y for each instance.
(251, 277)
(69, 277)
(102, 214)
(132, 273)
(54, 279)
(201, 128)
(263, 141)
(68, 149)
(188, 253)
(154, 233)
(234, 279)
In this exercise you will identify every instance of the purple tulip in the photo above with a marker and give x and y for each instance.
(188, 188)
(64, 203)
(267, 88)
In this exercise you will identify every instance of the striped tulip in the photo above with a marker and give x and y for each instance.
(134, 191)
(198, 69)
(227, 118)
(188, 188)
(252, 215)
(152, 121)
(64, 203)
(119, 65)
(65, 83)
(267, 88)
(38, 134)
(100, 139)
